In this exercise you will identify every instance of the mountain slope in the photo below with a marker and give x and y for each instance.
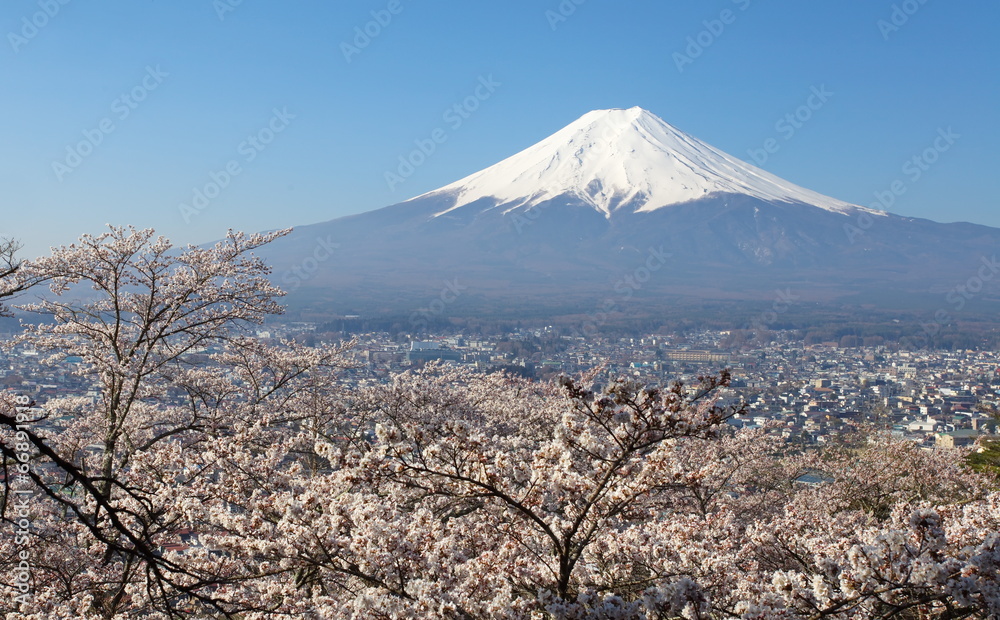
(568, 220)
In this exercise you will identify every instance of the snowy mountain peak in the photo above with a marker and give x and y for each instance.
(625, 159)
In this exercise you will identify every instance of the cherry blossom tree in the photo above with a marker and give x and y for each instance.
(214, 475)
(12, 281)
(489, 496)
(920, 562)
(114, 475)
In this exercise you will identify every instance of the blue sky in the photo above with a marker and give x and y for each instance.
(213, 74)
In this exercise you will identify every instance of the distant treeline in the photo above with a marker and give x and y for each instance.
(748, 326)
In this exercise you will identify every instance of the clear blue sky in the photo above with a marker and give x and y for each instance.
(893, 89)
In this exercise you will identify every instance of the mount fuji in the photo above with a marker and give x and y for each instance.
(625, 160)
(619, 205)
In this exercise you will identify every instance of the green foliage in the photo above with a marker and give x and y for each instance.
(987, 459)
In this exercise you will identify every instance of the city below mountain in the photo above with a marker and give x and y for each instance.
(619, 210)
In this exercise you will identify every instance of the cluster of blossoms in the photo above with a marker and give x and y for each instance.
(443, 493)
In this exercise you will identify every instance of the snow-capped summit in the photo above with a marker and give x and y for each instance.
(631, 212)
(625, 159)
